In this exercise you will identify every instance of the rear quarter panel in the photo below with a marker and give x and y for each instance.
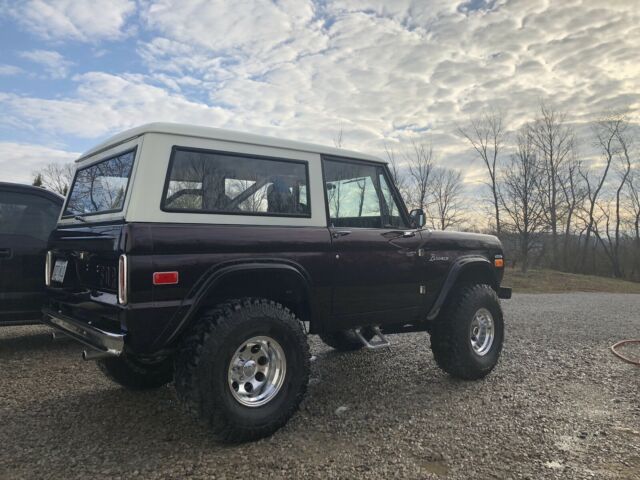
(197, 251)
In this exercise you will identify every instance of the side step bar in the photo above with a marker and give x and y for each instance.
(377, 341)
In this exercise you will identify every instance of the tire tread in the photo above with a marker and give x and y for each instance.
(211, 330)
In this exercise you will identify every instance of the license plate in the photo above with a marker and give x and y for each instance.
(59, 269)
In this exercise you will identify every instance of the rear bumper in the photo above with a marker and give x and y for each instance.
(103, 341)
(504, 292)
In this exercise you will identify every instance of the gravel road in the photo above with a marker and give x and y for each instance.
(559, 405)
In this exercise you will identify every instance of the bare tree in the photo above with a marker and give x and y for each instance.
(486, 135)
(446, 206)
(554, 140)
(521, 195)
(397, 176)
(574, 196)
(337, 140)
(420, 160)
(624, 172)
(633, 194)
(606, 132)
(618, 126)
(56, 177)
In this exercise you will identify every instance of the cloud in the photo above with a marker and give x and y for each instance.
(82, 20)
(386, 72)
(8, 70)
(251, 26)
(19, 161)
(105, 103)
(53, 63)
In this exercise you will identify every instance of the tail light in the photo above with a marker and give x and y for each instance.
(48, 264)
(123, 279)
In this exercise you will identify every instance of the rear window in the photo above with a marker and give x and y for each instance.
(101, 187)
(22, 214)
(215, 182)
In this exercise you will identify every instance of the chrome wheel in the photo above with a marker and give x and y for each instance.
(482, 332)
(257, 371)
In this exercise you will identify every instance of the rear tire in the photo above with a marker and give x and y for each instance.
(345, 340)
(135, 374)
(467, 336)
(240, 393)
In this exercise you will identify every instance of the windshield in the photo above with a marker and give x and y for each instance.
(101, 187)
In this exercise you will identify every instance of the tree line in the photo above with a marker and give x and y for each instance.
(554, 208)
(555, 200)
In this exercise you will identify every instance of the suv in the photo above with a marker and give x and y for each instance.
(27, 216)
(205, 256)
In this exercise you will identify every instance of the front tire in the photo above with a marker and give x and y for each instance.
(467, 336)
(136, 374)
(243, 369)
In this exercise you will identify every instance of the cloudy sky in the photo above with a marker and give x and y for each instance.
(73, 72)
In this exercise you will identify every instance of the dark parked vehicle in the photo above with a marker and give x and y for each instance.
(27, 217)
(205, 256)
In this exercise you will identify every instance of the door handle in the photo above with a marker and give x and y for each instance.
(340, 233)
(408, 234)
(5, 253)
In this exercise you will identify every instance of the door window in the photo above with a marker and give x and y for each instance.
(359, 195)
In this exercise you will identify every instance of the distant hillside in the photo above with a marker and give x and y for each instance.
(551, 281)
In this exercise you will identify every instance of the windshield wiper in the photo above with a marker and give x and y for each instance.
(80, 219)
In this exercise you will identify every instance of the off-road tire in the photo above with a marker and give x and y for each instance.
(204, 355)
(135, 374)
(450, 336)
(345, 340)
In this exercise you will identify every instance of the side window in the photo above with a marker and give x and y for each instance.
(27, 215)
(212, 182)
(358, 195)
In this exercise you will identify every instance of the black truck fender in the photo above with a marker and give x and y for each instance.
(458, 269)
(215, 278)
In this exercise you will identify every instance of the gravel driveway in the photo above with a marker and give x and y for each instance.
(559, 405)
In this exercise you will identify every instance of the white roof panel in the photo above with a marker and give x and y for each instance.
(223, 135)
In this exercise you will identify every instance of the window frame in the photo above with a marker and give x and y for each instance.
(178, 148)
(134, 151)
(404, 214)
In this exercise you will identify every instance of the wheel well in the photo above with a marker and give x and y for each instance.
(477, 273)
(284, 287)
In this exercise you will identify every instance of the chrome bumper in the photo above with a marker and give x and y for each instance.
(106, 342)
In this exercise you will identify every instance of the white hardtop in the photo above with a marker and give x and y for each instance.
(224, 135)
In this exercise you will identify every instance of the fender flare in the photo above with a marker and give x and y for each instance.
(216, 275)
(460, 266)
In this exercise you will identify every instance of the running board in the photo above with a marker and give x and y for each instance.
(378, 340)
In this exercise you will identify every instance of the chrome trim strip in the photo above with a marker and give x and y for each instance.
(123, 279)
(47, 268)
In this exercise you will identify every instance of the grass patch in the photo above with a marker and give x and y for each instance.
(551, 281)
